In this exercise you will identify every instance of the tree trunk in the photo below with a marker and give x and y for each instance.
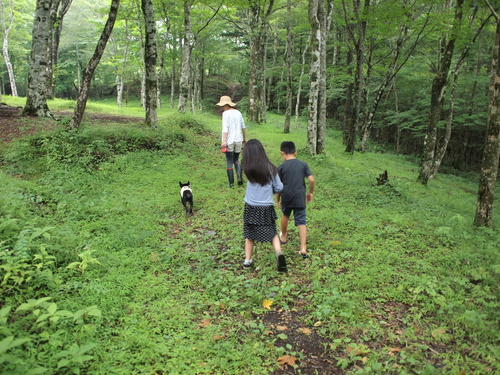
(437, 99)
(262, 74)
(289, 65)
(81, 103)
(257, 35)
(120, 70)
(491, 152)
(61, 6)
(299, 89)
(36, 100)
(6, 27)
(253, 88)
(348, 103)
(358, 77)
(315, 11)
(325, 28)
(151, 99)
(185, 77)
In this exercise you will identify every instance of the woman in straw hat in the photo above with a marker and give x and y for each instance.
(233, 137)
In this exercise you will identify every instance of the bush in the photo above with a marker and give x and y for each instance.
(86, 149)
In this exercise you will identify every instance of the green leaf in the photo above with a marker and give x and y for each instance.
(9, 343)
(63, 363)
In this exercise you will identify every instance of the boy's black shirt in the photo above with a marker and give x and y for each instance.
(292, 173)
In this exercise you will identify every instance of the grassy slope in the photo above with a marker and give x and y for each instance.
(398, 281)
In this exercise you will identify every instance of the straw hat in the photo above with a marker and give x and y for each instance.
(226, 100)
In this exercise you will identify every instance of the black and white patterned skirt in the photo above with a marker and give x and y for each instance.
(259, 223)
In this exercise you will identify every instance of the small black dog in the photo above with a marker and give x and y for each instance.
(186, 197)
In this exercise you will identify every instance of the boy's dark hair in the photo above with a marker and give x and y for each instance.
(288, 147)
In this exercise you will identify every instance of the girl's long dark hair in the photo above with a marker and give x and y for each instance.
(256, 165)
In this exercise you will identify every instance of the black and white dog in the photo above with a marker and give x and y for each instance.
(186, 197)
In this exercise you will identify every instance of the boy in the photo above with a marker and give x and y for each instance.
(293, 197)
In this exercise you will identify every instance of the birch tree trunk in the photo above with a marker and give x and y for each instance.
(299, 89)
(36, 100)
(185, 77)
(325, 29)
(289, 65)
(151, 98)
(81, 103)
(491, 152)
(120, 70)
(320, 21)
(315, 11)
(6, 27)
(253, 111)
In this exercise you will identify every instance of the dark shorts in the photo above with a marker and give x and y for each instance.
(259, 223)
(299, 214)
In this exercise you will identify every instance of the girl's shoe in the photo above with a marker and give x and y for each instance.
(304, 256)
(281, 263)
(248, 263)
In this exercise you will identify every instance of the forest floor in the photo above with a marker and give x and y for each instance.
(14, 125)
(316, 358)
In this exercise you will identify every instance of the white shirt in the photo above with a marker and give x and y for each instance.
(232, 123)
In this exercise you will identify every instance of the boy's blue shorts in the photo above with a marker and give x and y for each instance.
(299, 214)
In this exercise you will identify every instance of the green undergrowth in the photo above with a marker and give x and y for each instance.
(102, 273)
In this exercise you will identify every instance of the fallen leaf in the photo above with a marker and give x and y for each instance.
(317, 324)
(305, 331)
(205, 323)
(287, 360)
(281, 328)
(267, 304)
(217, 337)
(153, 257)
(268, 332)
(392, 350)
(437, 333)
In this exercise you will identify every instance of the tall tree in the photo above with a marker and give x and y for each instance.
(187, 48)
(58, 10)
(7, 21)
(359, 24)
(491, 152)
(259, 12)
(188, 43)
(405, 17)
(88, 73)
(437, 95)
(36, 99)
(289, 66)
(320, 14)
(447, 76)
(151, 99)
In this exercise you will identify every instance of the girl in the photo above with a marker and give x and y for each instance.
(259, 217)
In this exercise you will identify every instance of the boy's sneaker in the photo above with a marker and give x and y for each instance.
(281, 263)
(248, 263)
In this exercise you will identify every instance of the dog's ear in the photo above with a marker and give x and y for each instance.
(180, 184)
(189, 184)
